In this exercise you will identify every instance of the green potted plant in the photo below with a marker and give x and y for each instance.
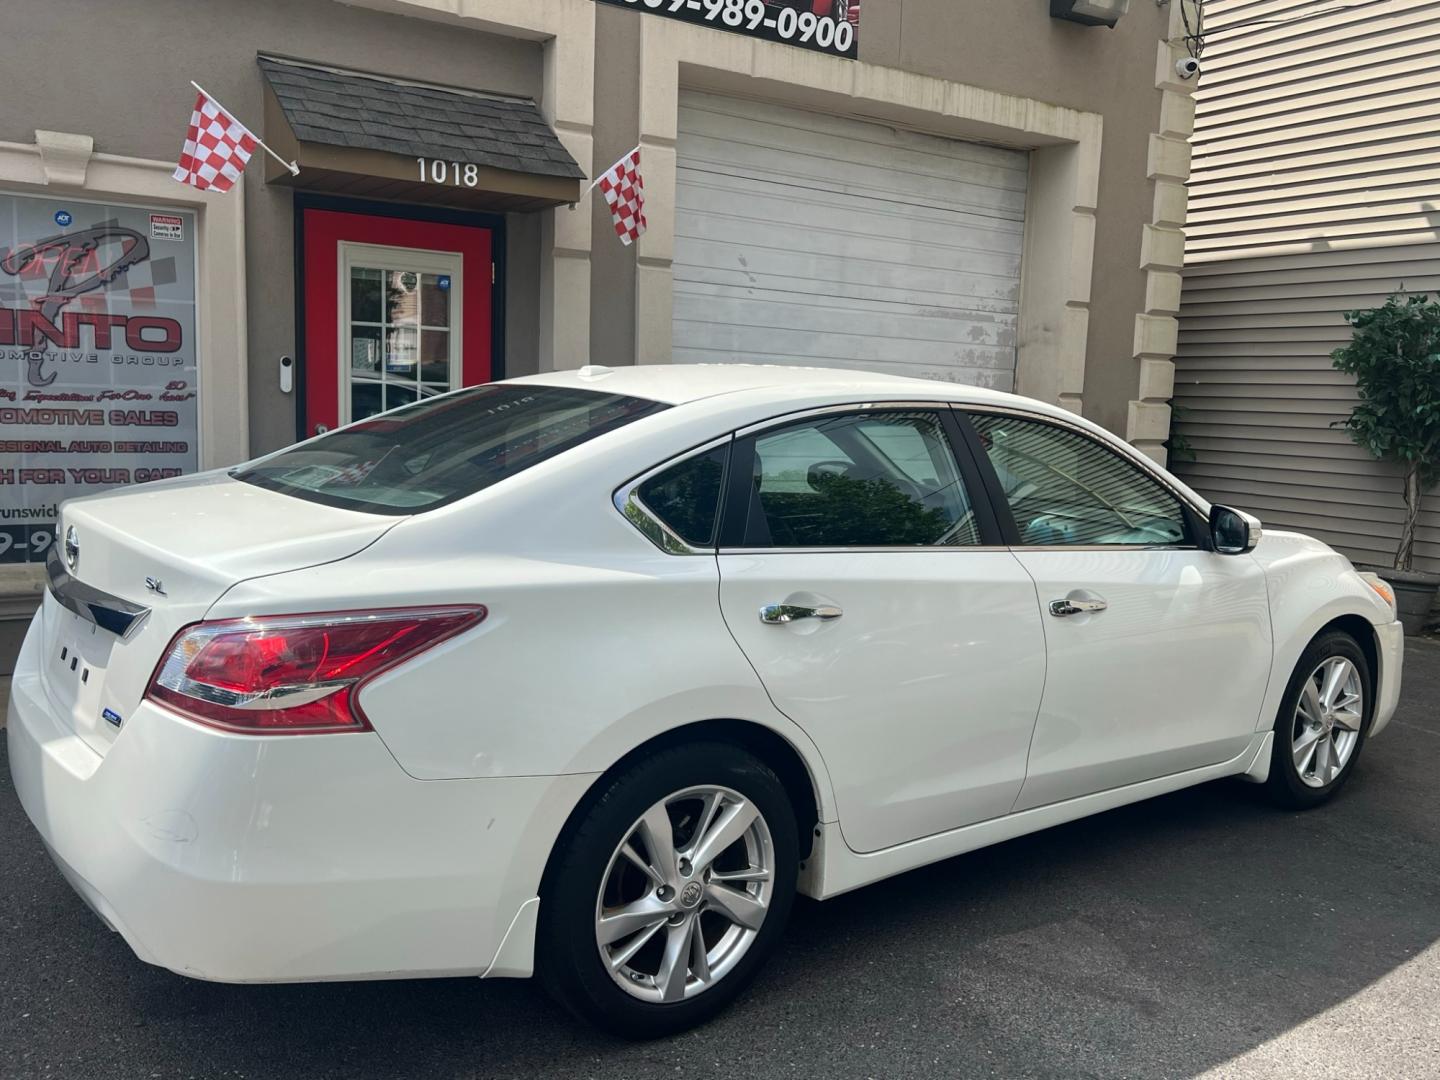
(1394, 355)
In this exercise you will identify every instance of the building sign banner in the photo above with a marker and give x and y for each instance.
(97, 357)
(828, 26)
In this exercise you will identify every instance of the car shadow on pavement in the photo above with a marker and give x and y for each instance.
(1162, 939)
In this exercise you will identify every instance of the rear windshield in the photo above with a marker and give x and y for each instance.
(434, 452)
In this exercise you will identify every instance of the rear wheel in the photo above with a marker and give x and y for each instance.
(1322, 723)
(671, 891)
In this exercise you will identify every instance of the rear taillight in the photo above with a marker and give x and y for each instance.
(294, 674)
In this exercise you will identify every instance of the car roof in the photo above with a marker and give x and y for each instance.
(777, 388)
(678, 384)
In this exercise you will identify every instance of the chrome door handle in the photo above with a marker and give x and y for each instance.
(780, 614)
(1062, 608)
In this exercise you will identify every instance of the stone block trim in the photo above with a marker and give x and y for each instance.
(1157, 329)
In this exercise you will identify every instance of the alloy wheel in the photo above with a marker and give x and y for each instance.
(1327, 722)
(685, 894)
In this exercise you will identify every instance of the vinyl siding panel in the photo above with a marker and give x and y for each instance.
(1315, 191)
(1258, 397)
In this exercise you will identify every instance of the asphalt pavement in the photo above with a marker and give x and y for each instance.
(1199, 934)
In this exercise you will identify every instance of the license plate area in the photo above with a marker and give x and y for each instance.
(77, 657)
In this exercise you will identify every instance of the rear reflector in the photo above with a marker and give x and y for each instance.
(294, 674)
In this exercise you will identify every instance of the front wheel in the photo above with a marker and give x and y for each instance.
(1322, 723)
(670, 892)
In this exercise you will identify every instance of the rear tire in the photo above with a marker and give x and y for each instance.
(1324, 718)
(644, 934)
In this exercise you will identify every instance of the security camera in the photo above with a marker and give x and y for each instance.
(1187, 67)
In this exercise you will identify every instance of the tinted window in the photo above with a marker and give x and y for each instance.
(858, 480)
(1066, 488)
(686, 497)
(426, 455)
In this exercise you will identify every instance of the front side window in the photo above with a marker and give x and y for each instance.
(432, 453)
(1064, 488)
(867, 480)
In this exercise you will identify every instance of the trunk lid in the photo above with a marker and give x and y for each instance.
(174, 548)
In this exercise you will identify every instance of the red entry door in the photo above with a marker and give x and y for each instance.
(395, 311)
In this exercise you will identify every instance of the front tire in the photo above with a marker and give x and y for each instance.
(670, 892)
(1323, 720)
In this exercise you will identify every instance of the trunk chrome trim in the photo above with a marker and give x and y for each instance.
(105, 610)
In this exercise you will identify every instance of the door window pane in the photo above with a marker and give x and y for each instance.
(858, 480)
(435, 356)
(402, 350)
(1065, 488)
(435, 299)
(402, 297)
(365, 350)
(364, 294)
(366, 399)
(397, 394)
(687, 497)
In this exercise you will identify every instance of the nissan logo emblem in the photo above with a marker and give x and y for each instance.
(72, 547)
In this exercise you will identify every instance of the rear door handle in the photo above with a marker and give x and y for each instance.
(780, 614)
(1062, 608)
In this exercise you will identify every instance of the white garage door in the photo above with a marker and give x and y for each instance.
(803, 238)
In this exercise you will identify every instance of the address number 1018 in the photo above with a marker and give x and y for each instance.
(435, 171)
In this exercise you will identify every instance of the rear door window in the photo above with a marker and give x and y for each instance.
(426, 455)
(875, 479)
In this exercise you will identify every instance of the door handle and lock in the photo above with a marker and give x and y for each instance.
(781, 614)
(1063, 608)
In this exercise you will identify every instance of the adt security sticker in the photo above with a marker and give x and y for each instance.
(63, 218)
(443, 281)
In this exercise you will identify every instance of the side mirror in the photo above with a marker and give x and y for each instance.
(1233, 532)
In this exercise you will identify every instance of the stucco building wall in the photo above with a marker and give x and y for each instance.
(1100, 113)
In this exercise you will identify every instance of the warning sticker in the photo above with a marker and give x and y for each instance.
(167, 227)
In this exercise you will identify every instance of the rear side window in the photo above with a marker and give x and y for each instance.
(426, 455)
(686, 497)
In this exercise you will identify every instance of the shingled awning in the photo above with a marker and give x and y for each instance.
(361, 135)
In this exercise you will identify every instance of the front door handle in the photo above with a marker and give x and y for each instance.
(780, 614)
(1062, 608)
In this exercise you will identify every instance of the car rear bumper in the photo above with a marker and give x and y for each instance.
(1390, 638)
(279, 859)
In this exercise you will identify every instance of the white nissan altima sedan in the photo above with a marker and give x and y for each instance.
(588, 674)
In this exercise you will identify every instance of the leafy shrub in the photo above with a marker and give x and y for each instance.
(1394, 355)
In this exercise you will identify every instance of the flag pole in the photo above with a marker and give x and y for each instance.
(294, 168)
(596, 183)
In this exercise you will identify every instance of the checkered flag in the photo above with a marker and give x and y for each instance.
(624, 190)
(217, 148)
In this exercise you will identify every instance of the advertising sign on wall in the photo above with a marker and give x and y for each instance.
(828, 26)
(97, 357)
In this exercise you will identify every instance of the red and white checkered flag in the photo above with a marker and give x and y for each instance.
(624, 190)
(217, 148)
